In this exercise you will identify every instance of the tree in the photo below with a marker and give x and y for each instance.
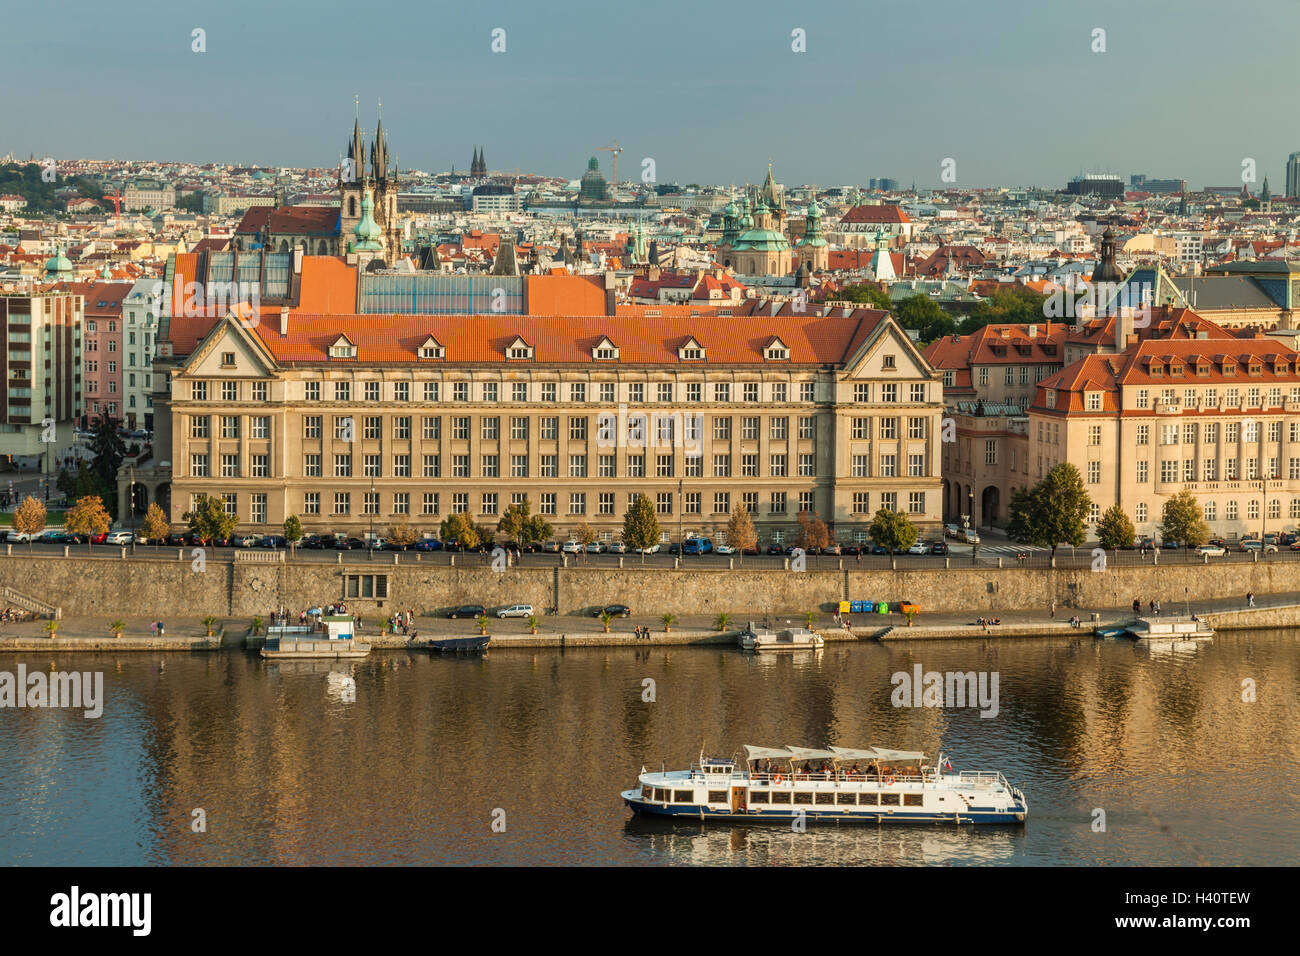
(668, 621)
(209, 622)
(1115, 531)
(209, 521)
(892, 530)
(80, 483)
(1182, 521)
(457, 529)
(117, 627)
(1052, 512)
(515, 522)
(538, 529)
(585, 535)
(740, 531)
(401, 534)
(292, 530)
(918, 312)
(156, 524)
(640, 526)
(29, 518)
(89, 517)
(109, 450)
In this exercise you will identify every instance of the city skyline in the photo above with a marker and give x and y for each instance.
(924, 96)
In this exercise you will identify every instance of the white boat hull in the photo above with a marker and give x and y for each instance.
(817, 798)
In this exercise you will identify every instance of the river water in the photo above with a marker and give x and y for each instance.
(407, 757)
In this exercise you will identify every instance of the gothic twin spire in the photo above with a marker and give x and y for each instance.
(378, 158)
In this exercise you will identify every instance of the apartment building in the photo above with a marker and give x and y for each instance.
(1216, 417)
(140, 324)
(101, 352)
(41, 363)
(350, 421)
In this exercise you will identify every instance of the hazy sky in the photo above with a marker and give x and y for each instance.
(710, 89)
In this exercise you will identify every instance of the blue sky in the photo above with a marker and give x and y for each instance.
(710, 89)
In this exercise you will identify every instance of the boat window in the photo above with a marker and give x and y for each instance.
(647, 793)
(849, 798)
(659, 794)
(782, 796)
(717, 796)
(826, 798)
(760, 796)
(889, 799)
(683, 796)
(911, 799)
(868, 799)
(803, 796)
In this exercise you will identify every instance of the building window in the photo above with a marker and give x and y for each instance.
(778, 503)
(259, 466)
(861, 503)
(342, 502)
(1140, 512)
(721, 392)
(199, 466)
(916, 502)
(577, 503)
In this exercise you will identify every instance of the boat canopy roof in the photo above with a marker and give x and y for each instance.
(831, 753)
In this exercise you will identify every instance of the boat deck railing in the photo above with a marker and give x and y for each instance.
(974, 779)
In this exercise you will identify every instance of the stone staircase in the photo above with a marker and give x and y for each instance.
(29, 603)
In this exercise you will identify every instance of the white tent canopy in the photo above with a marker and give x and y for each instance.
(903, 756)
(766, 753)
(844, 753)
(804, 753)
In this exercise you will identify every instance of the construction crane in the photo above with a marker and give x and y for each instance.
(615, 149)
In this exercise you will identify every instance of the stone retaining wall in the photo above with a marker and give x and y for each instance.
(166, 586)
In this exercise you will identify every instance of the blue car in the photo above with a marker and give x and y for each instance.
(697, 546)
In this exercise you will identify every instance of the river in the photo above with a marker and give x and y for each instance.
(518, 757)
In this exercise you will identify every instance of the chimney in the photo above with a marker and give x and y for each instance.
(297, 259)
(1123, 328)
(284, 320)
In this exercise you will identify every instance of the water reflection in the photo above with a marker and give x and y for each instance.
(404, 756)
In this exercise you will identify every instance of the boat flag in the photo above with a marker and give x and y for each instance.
(947, 764)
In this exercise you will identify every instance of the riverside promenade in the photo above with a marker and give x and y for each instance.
(91, 633)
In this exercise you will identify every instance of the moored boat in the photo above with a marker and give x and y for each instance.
(336, 640)
(461, 643)
(1109, 632)
(1174, 628)
(832, 785)
(790, 639)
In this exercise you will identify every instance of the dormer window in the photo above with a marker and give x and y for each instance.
(343, 348)
(519, 349)
(605, 351)
(690, 351)
(227, 359)
(776, 351)
(888, 362)
(432, 350)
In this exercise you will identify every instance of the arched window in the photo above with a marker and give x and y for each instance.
(352, 207)
(284, 245)
(323, 250)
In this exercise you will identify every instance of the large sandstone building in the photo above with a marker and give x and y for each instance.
(329, 405)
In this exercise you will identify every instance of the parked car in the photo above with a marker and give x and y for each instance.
(617, 547)
(428, 544)
(854, 549)
(118, 537)
(697, 546)
(653, 549)
(919, 548)
(939, 547)
(1213, 550)
(724, 549)
(1257, 545)
(879, 549)
(972, 537)
(674, 547)
(571, 547)
(834, 550)
(99, 537)
(953, 530)
(516, 610)
(18, 537)
(244, 541)
(551, 547)
(178, 538)
(467, 610)
(348, 544)
(775, 549)
(595, 547)
(63, 537)
(613, 610)
(274, 541)
(752, 551)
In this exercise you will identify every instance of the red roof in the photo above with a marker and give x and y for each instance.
(883, 214)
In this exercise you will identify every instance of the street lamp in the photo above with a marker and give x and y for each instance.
(131, 507)
(969, 520)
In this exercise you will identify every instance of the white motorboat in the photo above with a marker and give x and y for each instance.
(789, 639)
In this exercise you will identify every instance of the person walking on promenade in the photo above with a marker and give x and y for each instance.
(1157, 608)
(1151, 606)
(1137, 607)
(1051, 611)
(1250, 599)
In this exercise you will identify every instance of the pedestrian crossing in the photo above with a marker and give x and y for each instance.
(1011, 549)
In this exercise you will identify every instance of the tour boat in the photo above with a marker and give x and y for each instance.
(297, 643)
(1171, 629)
(833, 785)
(790, 639)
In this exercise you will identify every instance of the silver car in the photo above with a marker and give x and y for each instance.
(516, 610)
